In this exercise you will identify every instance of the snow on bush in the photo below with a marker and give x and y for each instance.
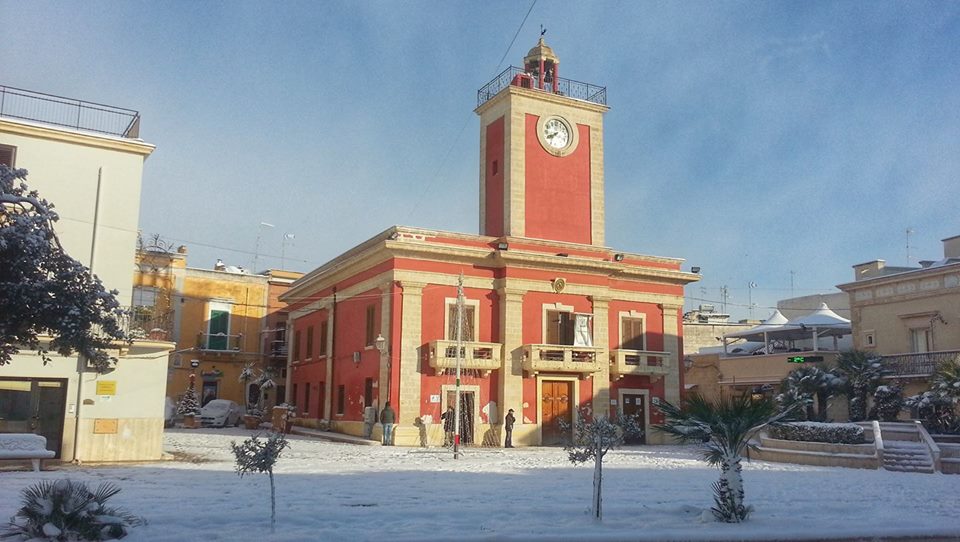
(834, 433)
(63, 510)
(255, 455)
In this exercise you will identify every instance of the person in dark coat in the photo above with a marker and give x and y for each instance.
(448, 425)
(508, 429)
(388, 418)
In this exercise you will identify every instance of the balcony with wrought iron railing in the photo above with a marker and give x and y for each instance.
(479, 356)
(625, 362)
(219, 342)
(919, 365)
(147, 324)
(16, 103)
(556, 358)
(518, 77)
(276, 350)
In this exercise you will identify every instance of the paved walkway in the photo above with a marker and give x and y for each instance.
(333, 437)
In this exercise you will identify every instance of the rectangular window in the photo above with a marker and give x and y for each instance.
(559, 328)
(368, 392)
(306, 397)
(920, 339)
(296, 345)
(144, 296)
(468, 325)
(323, 338)
(494, 168)
(631, 334)
(869, 340)
(293, 396)
(8, 155)
(371, 324)
(218, 328)
(341, 398)
(309, 342)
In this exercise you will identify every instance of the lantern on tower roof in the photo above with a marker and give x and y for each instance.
(542, 63)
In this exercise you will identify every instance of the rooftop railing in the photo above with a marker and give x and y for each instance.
(16, 103)
(565, 87)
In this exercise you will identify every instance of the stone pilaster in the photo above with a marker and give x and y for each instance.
(386, 319)
(328, 377)
(671, 343)
(601, 338)
(409, 355)
(511, 376)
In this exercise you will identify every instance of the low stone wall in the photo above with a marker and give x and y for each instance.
(949, 457)
(856, 456)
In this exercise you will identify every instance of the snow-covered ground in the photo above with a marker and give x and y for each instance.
(330, 491)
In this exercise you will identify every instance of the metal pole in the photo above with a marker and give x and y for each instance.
(456, 412)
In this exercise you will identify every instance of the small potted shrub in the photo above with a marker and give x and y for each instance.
(252, 419)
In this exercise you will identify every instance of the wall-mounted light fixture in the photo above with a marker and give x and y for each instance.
(393, 236)
(502, 246)
(695, 269)
(618, 257)
(356, 359)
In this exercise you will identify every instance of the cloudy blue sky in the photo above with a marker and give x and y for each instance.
(751, 139)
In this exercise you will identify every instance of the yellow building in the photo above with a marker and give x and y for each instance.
(217, 318)
(909, 315)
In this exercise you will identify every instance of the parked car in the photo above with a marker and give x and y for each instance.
(221, 413)
(169, 408)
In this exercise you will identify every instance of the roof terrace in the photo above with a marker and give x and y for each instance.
(27, 105)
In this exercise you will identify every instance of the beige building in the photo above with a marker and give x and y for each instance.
(909, 315)
(88, 160)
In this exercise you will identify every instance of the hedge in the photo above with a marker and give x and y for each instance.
(835, 433)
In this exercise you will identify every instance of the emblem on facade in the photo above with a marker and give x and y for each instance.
(559, 284)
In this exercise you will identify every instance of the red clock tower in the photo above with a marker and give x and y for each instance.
(541, 154)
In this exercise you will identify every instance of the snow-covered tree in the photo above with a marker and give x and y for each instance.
(255, 455)
(246, 375)
(189, 403)
(863, 372)
(725, 429)
(806, 384)
(592, 440)
(43, 291)
(887, 403)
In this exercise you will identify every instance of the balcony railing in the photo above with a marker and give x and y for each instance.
(920, 364)
(554, 358)
(146, 323)
(565, 87)
(484, 357)
(22, 104)
(276, 350)
(625, 362)
(219, 342)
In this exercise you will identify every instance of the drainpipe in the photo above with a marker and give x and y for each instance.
(81, 361)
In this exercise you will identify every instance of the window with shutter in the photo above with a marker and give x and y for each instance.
(371, 324)
(560, 328)
(631, 334)
(323, 339)
(219, 328)
(7, 155)
(466, 329)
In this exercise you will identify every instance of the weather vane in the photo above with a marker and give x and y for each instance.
(542, 31)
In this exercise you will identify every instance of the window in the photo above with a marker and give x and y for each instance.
(559, 327)
(341, 398)
(868, 339)
(218, 328)
(144, 296)
(309, 342)
(323, 339)
(8, 155)
(306, 397)
(296, 345)
(293, 396)
(368, 392)
(371, 325)
(631, 334)
(920, 339)
(494, 168)
(468, 326)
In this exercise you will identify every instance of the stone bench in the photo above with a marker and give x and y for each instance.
(25, 446)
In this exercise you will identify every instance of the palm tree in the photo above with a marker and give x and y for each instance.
(807, 383)
(863, 373)
(725, 428)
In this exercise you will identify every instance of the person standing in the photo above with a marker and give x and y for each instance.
(388, 418)
(448, 425)
(508, 428)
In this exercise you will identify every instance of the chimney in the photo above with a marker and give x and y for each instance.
(868, 269)
(182, 249)
(951, 247)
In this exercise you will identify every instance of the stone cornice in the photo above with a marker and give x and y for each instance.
(884, 280)
(541, 96)
(133, 146)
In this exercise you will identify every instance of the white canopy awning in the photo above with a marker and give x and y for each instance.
(822, 322)
(773, 322)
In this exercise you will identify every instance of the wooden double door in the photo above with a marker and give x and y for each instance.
(34, 405)
(556, 405)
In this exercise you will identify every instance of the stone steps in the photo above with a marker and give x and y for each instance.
(907, 456)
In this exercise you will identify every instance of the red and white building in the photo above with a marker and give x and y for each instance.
(557, 324)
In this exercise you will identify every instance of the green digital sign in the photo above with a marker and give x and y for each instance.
(804, 359)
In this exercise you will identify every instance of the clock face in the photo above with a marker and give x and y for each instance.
(556, 133)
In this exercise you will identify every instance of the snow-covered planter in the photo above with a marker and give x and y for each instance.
(836, 433)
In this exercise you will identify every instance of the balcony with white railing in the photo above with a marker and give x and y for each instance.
(478, 356)
(558, 358)
(625, 362)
